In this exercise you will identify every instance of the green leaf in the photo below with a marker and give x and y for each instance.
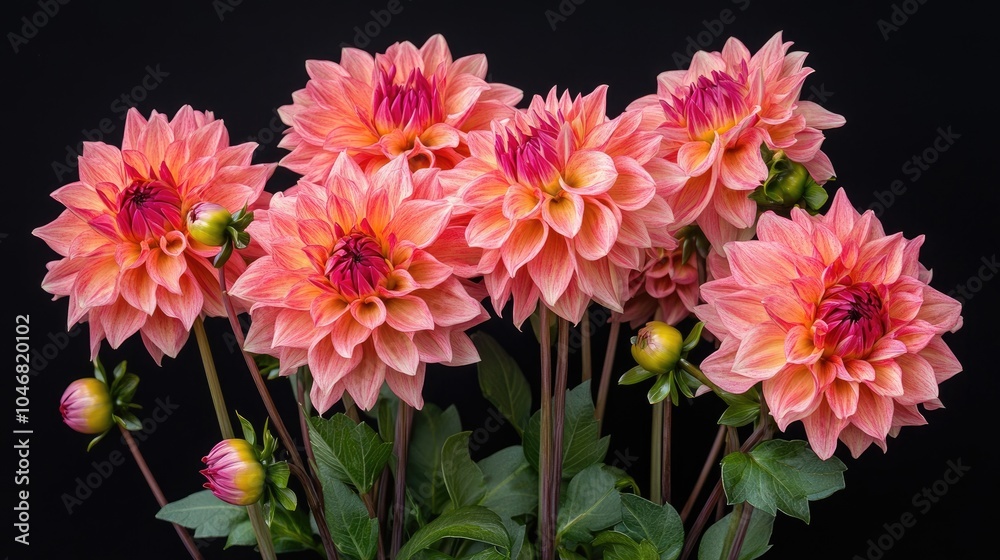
(469, 522)
(285, 497)
(591, 504)
(99, 371)
(347, 517)
(693, 337)
(424, 477)
(249, 433)
(502, 381)
(489, 554)
(96, 439)
(619, 546)
(119, 369)
(127, 420)
(511, 483)
(241, 535)
(582, 445)
(277, 474)
(202, 511)
(660, 389)
(638, 374)
(462, 477)
(815, 196)
(755, 544)
(781, 475)
(740, 414)
(354, 451)
(659, 525)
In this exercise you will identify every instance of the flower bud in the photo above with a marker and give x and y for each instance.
(657, 347)
(789, 184)
(234, 474)
(86, 406)
(207, 223)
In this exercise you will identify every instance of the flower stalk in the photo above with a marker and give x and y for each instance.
(546, 509)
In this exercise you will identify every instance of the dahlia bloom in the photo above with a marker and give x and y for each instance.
(563, 205)
(86, 406)
(348, 286)
(715, 116)
(409, 102)
(234, 473)
(129, 263)
(837, 321)
(665, 287)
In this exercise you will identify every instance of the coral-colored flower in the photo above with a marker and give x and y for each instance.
(563, 203)
(129, 263)
(235, 474)
(348, 286)
(715, 116)
(409, 102)
(86, 406)
(838, 322)
(666, 287)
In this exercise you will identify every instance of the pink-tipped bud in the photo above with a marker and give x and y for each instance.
(207, 223)
(234, 474)
(86, 406)
(658, 346)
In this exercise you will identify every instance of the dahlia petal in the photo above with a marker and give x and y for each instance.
(718, 367)
(919, 383)
(590, 172)
(97, 283)
(941, 358)
(408, 388)
(294, 328)
(696, 158)
(788, 312)
(885, 349)
(408, 314)
(690, 201)
(323, 398)
(166, 270)
(743, 167)
(634, 187)
(941, 311)
(433, 346)
(120, 321)
(860, 370)
(450, 304)
(185, 306)
(396, 349)
(842, 397)
(489, 229)
(858, 441)
(369, 312)
(888, 380)
(760, 262)
(346, 334)
(915, 335)
(762, 353)
(365, 381)
(101, 163)
(463, 350)
(166, 334)
(327, 365)
(155, 138)
(420, 221)
(874, 414)
(327, 308)
(818, 117)
(598, 231)
(553, 268)
(822, 429)
(841, 216)
(741, 312)
(799, 348)
(790, 393)
(564, 213)
(524, 244)
(606, 283)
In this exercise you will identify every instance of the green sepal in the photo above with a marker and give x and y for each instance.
(635, 375)
(123, 388)
(693, 337)
(277, 474)
(119, 370)
(127, 420)
(99, 437)
(661, 389)
(248, 432)
(286, 497)
(99, 372)
(220, 259)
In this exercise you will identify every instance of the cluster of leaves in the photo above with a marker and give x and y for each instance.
(461, 508)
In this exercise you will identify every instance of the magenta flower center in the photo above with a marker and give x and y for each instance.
(856, 318)
(531, 159)
(711, 105)
(410, 106)
(356, 265)
(148, 209)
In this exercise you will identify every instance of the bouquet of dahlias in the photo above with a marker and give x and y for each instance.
(432, 202)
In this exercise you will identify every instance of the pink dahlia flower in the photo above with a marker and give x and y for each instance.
(348, 286)
(837, 321)
(564, 205)
(715, 116)
(665, 288)
(409, 102)
(129, 264)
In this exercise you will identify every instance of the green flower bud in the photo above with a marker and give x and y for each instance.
(657, 348)
(208, 222)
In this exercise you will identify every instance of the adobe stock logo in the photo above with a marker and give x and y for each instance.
(923, 501)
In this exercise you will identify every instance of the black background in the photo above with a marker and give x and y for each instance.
(897, 87)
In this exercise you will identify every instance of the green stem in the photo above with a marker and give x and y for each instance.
(545, 508)
(559, 414)
(311, 484)
(746, 512)
(260, 528)
(656, 455)
(403, 421)
(665, 461)
(697, 374)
